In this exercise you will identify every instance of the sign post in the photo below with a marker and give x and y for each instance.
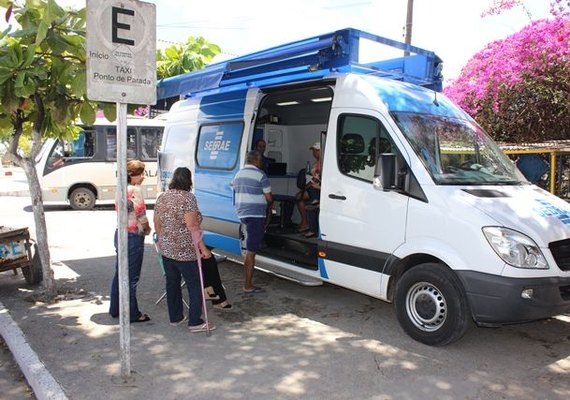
(121, 68)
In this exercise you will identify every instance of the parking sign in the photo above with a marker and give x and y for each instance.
(121, 51)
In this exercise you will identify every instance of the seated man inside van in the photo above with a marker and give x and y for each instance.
(260, 146)
(310, 194)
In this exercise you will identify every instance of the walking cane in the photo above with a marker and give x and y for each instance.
(196, 237)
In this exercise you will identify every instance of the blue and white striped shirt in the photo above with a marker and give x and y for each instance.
(250, 184)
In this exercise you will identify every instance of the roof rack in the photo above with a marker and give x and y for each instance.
(307, 59)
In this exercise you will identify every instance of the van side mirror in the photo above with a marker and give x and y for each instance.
(388, 170)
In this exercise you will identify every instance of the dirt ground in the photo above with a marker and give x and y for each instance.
(13, 384)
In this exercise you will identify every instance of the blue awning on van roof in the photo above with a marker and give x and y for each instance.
(307, 59)
(212, 75)
(208, 78)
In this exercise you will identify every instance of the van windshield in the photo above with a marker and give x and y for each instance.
(457, 151)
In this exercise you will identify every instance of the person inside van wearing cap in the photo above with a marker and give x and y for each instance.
(310, 193)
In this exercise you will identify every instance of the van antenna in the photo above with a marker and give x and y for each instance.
(435, 98)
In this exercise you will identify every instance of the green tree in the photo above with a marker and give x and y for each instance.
(182, 58)
(42, 92)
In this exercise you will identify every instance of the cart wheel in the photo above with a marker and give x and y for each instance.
(33, 272)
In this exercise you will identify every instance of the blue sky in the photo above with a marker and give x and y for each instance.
(453, 29)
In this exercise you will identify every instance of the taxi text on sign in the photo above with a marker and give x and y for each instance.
(121, 51)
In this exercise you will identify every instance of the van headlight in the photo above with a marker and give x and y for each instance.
(514, 248)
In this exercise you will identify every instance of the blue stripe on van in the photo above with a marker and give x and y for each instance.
(222, 242)
(323, 268)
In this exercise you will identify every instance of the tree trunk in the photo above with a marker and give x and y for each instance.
(41, 228)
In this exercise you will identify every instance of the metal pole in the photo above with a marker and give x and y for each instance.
(409, 17)
(123, 255)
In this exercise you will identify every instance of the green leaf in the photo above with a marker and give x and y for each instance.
(6, 4)
(77, 44)
(110, 111)
(42, 33)
(78, 85)
(9, 100)
(27, 87)
(19, 82)
(56, 43)
(5, 74)
(29, 54)
(5, 123)
(87, 113)
(172, 53)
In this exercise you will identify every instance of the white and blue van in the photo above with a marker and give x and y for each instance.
(418, 206)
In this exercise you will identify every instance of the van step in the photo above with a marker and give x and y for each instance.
(287, 274)
(266, 265)
(290, 246)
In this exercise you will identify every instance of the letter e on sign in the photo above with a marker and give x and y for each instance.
(121, 51)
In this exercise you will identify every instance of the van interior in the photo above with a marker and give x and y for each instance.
(291, 121)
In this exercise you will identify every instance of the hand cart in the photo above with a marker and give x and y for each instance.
(17, 251)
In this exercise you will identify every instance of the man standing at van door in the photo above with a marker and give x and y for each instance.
(252, 192)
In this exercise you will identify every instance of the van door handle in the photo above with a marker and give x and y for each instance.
(336, 197)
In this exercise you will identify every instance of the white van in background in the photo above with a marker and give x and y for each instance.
(418, 206)
(83, 172)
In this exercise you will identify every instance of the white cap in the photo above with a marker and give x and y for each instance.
(316, 146)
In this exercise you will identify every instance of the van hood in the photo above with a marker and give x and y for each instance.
(527, 209)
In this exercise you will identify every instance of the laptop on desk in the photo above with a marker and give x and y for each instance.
(276, 169)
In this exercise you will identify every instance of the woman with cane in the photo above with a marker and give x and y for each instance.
(177, 224)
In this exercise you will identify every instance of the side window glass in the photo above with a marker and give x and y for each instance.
(150, 142)
(218, 145)
(89, 144)
(111, 135)
(360, 140)
(131, 143)
(56, 158)
(83, 146)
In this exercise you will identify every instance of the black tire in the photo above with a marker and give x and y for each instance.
(431, 305)
(33, 273)
(82, 199)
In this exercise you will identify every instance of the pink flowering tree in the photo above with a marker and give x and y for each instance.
(518, 88)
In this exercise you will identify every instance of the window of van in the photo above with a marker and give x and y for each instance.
(360, 140)
(218, 145)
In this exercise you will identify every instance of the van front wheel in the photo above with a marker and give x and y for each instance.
(431, 305)
(82, 199)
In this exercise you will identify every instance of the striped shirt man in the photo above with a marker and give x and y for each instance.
(250, 186)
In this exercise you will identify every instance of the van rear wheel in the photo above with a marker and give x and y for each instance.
(82, 199)
(431, 305)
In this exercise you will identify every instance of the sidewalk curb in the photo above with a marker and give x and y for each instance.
(45, 387)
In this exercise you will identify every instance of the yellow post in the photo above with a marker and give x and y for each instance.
(553, 171)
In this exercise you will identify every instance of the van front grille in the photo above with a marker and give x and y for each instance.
(561, 253)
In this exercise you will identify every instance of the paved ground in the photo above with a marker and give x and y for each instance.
(316, 343)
